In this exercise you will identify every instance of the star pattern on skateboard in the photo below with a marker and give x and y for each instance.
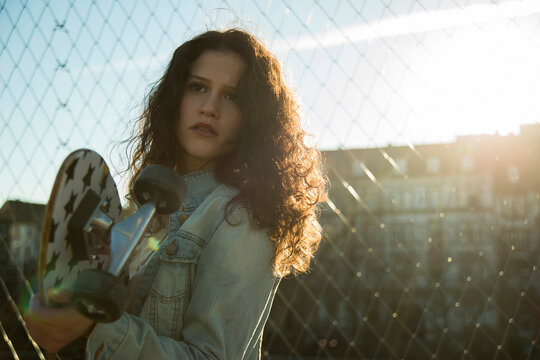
(51, 265)
(54, 225)
(103, 180)
(71, 170)
(88, 177)
(83, 171)
(68, 208)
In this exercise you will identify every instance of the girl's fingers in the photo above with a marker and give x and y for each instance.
(42, 335)
(41, 313)
(58, 296)
(55, 325)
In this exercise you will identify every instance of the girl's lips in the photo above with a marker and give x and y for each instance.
(204, 129)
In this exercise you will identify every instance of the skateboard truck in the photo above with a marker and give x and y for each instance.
(98, 294)
(90, 224)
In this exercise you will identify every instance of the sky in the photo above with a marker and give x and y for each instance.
(366, 73)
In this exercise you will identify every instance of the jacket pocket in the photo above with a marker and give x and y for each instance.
(170, 292)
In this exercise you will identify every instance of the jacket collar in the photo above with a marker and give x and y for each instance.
(199, 185)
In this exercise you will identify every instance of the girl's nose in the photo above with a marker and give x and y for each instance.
(210, 106)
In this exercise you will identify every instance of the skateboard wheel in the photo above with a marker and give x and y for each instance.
(162, 185)
(99, 295)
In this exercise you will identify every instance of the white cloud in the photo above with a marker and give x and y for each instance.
(414, 23)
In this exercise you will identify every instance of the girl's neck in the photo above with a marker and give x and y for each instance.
(183, 168)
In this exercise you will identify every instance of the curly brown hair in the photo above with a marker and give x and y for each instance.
(278, 176)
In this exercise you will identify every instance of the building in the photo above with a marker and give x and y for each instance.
(20, 231)
(430, 250)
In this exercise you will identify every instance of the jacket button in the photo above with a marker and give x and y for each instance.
(182, 219)
(170, 249)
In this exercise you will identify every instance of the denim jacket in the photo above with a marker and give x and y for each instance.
(206, 292)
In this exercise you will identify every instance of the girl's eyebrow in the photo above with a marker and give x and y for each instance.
(191, 76)
(203, 79)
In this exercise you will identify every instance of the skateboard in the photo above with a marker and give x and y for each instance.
(82, 171)
(85, 246)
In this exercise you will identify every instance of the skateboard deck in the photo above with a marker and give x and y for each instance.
(81, 171)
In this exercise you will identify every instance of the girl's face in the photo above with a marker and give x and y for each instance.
(209, 115)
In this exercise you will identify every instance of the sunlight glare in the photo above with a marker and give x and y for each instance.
(153, 243)
(484, 81)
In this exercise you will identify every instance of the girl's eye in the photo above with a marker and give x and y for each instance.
(196, 87)
(232, 96)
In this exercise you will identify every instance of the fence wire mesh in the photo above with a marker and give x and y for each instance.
(430, 244)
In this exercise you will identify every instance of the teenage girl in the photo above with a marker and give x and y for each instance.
(222, 117)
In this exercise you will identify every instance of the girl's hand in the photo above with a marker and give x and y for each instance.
(54, 328)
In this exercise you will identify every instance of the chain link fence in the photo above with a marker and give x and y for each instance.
(431, 239)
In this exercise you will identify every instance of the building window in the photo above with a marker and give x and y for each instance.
(512, 174)
(467, 164)
(401, 166)
(330, 230)
(358, 168)
(406, 200)
(433, 199)
(433, 165)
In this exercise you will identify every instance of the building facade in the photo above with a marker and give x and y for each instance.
(430, 250)
(20, 233)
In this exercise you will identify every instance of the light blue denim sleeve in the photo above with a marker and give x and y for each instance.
(231, 298)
